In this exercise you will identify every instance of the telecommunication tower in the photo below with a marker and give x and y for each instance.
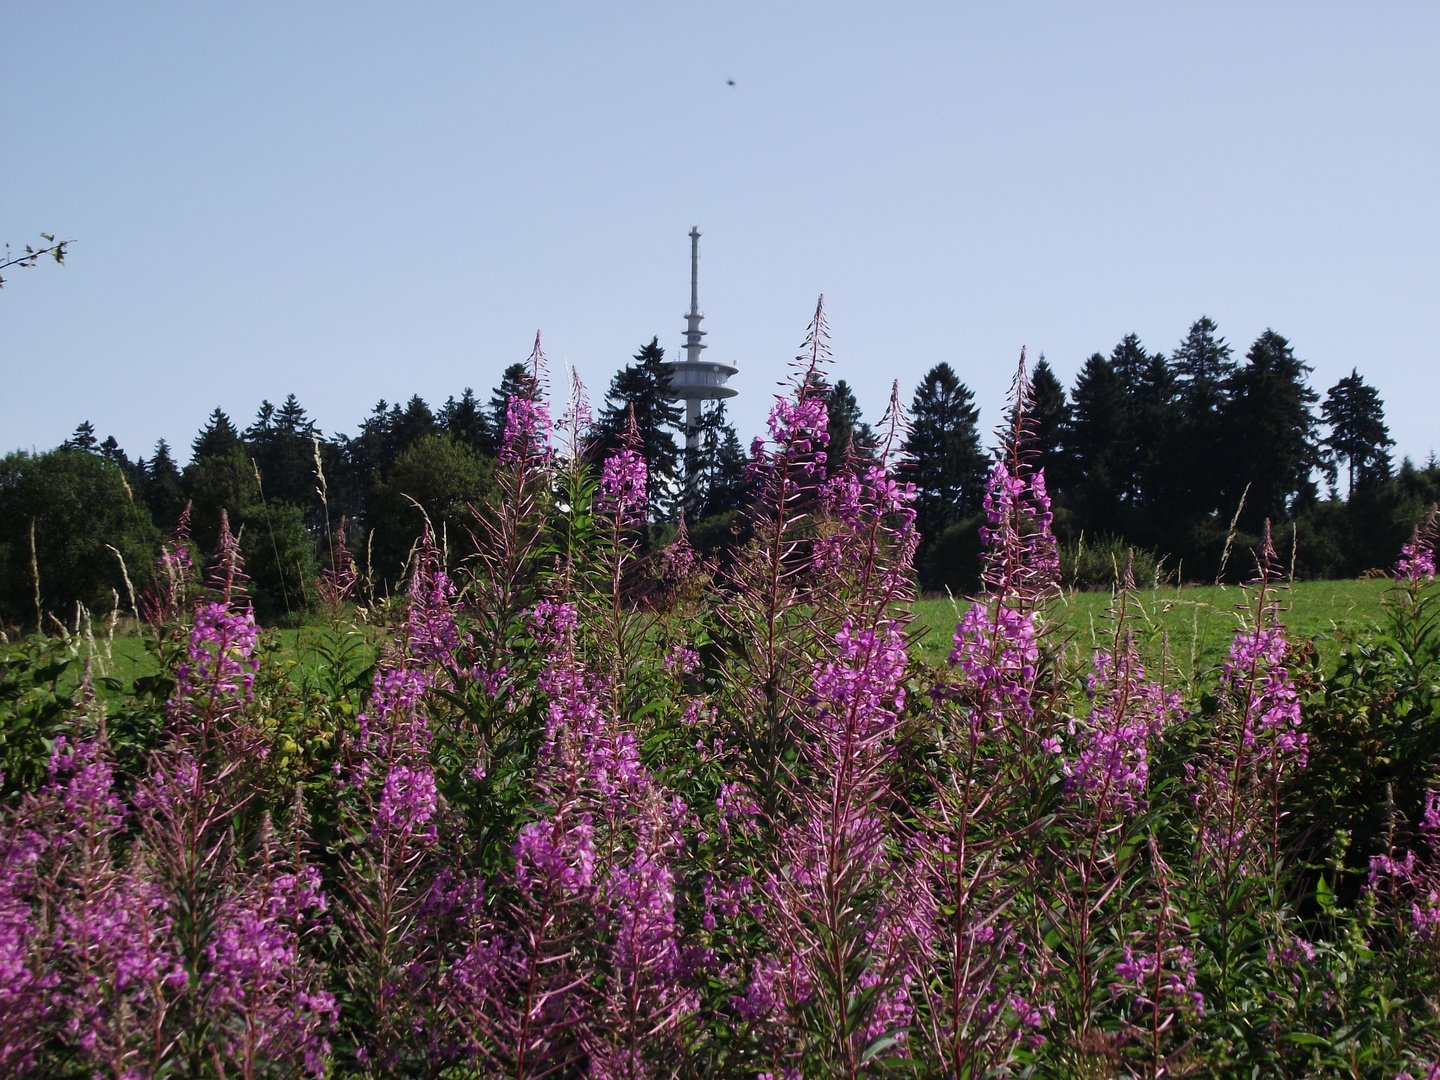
(693, 380)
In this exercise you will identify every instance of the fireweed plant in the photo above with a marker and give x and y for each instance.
(601, 807)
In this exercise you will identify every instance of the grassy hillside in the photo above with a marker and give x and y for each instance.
(1197, 622)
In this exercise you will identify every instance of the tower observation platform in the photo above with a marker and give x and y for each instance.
(693, 380)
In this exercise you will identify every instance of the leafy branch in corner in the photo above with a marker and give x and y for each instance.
(56, 251)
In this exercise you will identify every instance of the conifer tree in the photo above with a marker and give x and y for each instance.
(847, 426)
(466, 423)
(1358, 435)
(163, 493)
(1097, 418)
(280, 443)
(1270, 432)
(83, 439)
(218, 437)
(1203, 369)
(1049, 426)
(718, 465)
(946, 462)
(409, 426)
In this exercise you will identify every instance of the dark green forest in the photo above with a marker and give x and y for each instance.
(1180, 457)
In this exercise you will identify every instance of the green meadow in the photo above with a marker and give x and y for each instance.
(1193, 625)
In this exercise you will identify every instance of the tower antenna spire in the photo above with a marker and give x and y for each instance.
(695, 270)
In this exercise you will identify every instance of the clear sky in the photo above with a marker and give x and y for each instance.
(352, 202)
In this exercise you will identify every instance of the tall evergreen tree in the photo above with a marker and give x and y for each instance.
(1098, 409)
(163, 493)
(1049, 426)
(1146, 423)
(1203, 370)
(1358, 435)
(1271, 432)
(641, 386)
(413, 424)
(281, 445)
(945, 461)
(466, 423)
(718, 466)
(83, 439)
(218, 437)
(847, 426)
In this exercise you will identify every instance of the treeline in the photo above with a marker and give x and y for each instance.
(1167, 454)
(82, 523)
(1160, 453)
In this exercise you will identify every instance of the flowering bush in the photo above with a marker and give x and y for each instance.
(604, 811)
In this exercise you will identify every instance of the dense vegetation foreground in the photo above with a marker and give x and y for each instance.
(598, 813)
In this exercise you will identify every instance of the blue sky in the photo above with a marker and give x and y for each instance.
(352, 202)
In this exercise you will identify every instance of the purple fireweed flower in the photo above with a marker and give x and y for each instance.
(261, 985)
(1256, 741)
(1139, 976)
(227, 576)
(552, 621)
(25, 985)
(799, 431)
(681, 660)
(339, 579)
(392, 723)
(562, 852)
(1417, 558)
(527, 429)
(220, 666)
(737, 810)
(678, 559)
(621, 493)
(407, 803)
(430, 621)
(1128, 711)
(1021, 556)
(838, 851)
(996, 652)
(1411, 882)
(174, 576)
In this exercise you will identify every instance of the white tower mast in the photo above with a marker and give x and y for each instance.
(693, 380)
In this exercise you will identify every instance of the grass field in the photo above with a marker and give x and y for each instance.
(130, 658)
(1195, 623)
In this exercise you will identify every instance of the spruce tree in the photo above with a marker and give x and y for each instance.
(1358, 435)
(1100, 457)
(945, 460)
(163, 493)
(466, 423)
(718, 465)
(641, 386)
(1203, 370)
(218, 437)
(413, 424)
(1154, 431)
(847, 427)
(1049, 427)
(1146, 423)
(1270, 433)
(83, 439)
(280, 444)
